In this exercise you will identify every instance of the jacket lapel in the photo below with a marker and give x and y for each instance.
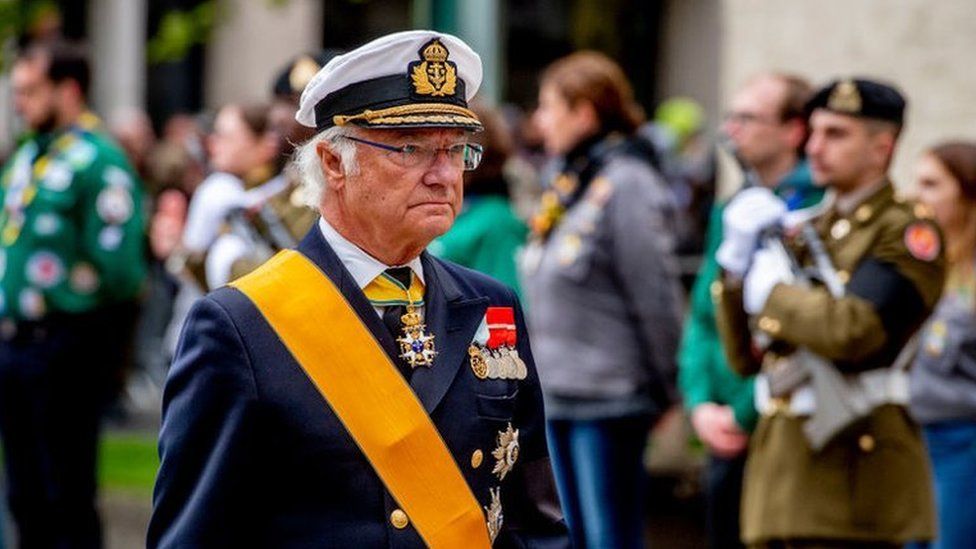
(314, 247)
(453, 320)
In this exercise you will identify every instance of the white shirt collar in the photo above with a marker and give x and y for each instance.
(362, 266)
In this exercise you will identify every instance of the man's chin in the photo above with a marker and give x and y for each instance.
(435, 226)
(821, 178)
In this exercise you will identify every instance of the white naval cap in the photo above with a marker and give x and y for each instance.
(411, 79)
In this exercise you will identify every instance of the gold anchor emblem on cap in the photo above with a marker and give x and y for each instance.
(435, 75)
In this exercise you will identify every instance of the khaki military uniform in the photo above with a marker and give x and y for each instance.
(288, 210)
(872, 482)
(253, 226)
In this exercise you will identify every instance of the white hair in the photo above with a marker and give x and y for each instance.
(309, 165)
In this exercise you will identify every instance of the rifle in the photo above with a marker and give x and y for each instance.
(839, 402)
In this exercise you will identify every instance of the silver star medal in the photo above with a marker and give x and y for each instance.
(507, 452)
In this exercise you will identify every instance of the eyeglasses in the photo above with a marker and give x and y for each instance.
(744, 118)
(465, 155)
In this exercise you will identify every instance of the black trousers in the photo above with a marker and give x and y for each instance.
(723, 492)
(56, 377)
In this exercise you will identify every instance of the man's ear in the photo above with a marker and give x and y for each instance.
(883, 147)
(796, 132)
(331, 164)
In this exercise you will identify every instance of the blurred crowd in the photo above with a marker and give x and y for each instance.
(608, 222)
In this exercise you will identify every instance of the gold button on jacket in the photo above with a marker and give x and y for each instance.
(399, 519)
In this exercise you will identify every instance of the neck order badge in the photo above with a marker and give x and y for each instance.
(416, 345)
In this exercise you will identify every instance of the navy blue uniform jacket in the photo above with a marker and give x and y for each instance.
(253, 456)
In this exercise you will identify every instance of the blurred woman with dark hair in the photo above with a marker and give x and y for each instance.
(943, 379)
(603, 297)
(486, 235)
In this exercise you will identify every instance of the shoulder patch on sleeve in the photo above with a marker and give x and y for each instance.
(922, 241)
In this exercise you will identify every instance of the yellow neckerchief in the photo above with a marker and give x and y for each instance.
(369, 395)
(385, 290)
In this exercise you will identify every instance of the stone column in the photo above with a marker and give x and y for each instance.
(478, 25)
(117, 37)
(252, 42)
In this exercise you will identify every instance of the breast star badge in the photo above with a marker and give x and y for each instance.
(507, 452)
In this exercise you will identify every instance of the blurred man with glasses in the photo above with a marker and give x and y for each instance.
(356, 391)
(766, 129)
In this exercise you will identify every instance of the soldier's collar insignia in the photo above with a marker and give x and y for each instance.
(507, 452)
(845, 98)
(434, 75)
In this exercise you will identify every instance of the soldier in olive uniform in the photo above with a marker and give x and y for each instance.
(72, 264)
(867, 483)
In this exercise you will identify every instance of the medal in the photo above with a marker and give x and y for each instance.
(507, 452)
(478, 363)
(416, 345)
(494, 515)
(500, 356)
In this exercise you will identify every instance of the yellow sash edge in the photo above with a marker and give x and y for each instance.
(389, 424)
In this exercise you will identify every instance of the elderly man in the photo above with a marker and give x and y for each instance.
(835, 461)
(357, 391)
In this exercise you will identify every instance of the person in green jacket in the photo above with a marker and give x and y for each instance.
(71, 268)
(767, 127)
(486, 235)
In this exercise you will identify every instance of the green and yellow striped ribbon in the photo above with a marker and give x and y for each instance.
(385, 291)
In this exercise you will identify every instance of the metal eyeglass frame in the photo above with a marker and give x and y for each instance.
(471, 152)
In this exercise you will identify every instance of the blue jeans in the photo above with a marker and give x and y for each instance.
(599, 470)
(952, 449)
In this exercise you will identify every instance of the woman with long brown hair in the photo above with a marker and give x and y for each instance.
(943, 382)
(603, 297)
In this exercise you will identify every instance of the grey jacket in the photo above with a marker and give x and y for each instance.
(603, 295)
(943, 378)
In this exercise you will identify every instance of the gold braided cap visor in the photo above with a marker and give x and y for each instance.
(415, 115)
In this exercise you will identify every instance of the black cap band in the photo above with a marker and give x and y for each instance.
(376, 94)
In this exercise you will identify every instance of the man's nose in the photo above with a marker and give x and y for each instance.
(442, 169)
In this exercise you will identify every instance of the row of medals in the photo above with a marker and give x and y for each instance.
(501, 363)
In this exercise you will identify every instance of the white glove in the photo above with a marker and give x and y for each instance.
(747, 214)
(213, 200)
(769, 268)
